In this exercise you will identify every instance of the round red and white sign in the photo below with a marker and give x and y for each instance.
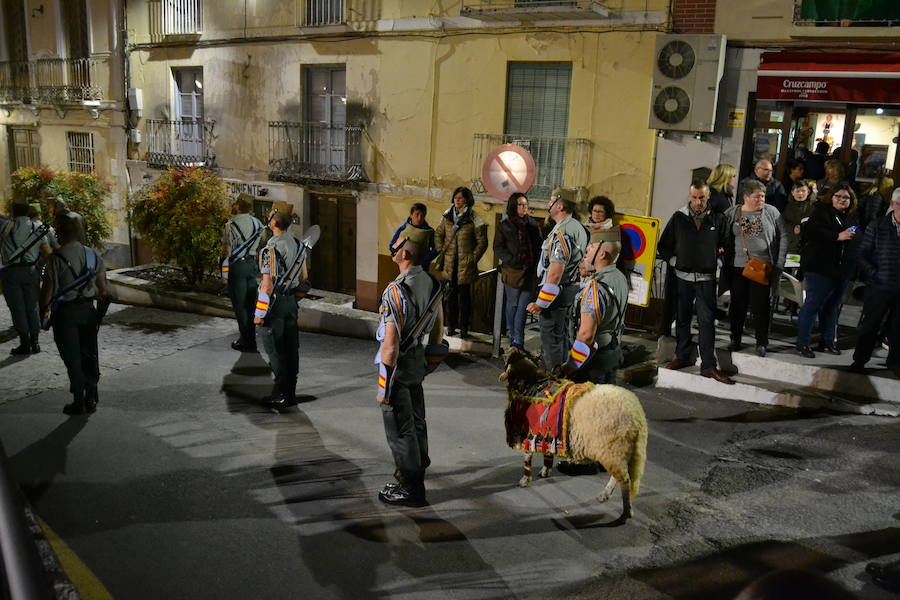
(508, 169)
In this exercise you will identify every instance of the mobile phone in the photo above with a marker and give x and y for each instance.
(853, 229)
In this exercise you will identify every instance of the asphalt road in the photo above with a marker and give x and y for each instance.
(183, 486)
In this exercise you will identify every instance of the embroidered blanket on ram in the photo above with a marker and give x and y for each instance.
(537, 418)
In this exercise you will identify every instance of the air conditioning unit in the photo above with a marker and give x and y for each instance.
(686, 74)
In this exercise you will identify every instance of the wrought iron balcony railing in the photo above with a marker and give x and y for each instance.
(323, 12)
(180, 143)
(50, 80)
(181, 17)
(563, 162)
(315, 152)
(533, 10)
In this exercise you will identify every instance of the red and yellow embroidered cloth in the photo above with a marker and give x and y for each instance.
(537, 418)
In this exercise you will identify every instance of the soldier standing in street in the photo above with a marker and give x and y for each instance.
(596, 351)
(239, 252)
(76, 277)
(21, 244)
(283, 268)
(410, 310)
(561, 253)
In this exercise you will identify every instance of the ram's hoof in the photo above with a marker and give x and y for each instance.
(546, 472)
(602, 497)
(524, 481)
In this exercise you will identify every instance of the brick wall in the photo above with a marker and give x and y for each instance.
(694, 16)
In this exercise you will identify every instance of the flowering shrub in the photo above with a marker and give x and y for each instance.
(83, 193)
(181, 215)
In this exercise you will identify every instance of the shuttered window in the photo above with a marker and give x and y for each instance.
(81, 151)
(537, 99)
(25, 148)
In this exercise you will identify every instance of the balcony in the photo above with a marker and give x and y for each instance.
(563, 162)
(50, 80)
(533, 10)
(310, 152)
(180, 143)
(840, 13)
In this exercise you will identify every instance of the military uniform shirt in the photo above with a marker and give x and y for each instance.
(565, 245)
(278, 255)
(397, 308)
(20, 235)
(63, 276)
(595, 300)
(242, 227)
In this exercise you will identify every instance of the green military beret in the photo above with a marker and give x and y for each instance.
(416, 235)
(598, 235)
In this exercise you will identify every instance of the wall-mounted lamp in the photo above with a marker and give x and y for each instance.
(661, 133)
(37, 11)
(698, 136)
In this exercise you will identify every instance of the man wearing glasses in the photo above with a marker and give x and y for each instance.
(763, 172)
(557, 270)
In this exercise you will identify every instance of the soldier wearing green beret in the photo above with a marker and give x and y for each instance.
(410, 310)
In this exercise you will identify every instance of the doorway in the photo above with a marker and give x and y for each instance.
(333, 265)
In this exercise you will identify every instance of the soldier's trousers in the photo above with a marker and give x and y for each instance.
(555, 341)
(20, 287)
(75, 334)
(281, 342)
(242, 288)
(404, 418)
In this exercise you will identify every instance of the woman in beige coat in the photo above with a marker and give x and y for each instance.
(461, 239)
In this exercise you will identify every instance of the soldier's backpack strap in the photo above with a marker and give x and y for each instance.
(619, 328)
(36, 235)
(246, 243)
(426, 317)
(281, 286)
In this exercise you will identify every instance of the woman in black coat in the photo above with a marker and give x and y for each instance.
(828, 259)
(517, 244)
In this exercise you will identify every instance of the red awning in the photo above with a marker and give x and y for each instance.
(865, 77)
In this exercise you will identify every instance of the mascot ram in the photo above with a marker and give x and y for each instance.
(580, 422)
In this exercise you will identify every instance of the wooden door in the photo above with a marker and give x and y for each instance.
(333, 266)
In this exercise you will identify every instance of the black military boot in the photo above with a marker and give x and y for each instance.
(404, 494)
(23, 349)
(91, 398)
(77, 407)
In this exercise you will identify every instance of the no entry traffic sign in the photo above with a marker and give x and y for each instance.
(508, 169)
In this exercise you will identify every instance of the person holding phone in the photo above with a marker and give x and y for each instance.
(828, 260)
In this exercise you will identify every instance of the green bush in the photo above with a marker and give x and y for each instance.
(181, 215)
(83, 193)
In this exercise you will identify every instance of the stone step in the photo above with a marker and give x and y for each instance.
(760, 390)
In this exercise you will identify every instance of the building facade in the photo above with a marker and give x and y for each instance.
(62, 88)
(352, 110)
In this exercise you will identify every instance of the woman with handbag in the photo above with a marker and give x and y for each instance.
(517, 244)
(828, 261)
(755, 253)
(461, 240)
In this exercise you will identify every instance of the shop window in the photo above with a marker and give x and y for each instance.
(875, 141)
(81, 151)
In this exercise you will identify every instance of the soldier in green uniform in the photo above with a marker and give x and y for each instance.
(283, 268)
(34, 213)
(75, 279)
(561, 253)
(240, 244)
(596, 352)
(410, 311)
(21, 245)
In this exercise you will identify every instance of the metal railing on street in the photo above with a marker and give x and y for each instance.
(315, 151)
(180, 143)
(23, 576)
(560, 161)
(50, 80)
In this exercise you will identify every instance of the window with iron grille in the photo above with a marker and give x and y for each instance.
(323, 12)
(81, 151)
(182, 17)
(537, 113)
(25, 148)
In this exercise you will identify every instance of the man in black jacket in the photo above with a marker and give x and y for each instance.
(692, 242)
(879, 259)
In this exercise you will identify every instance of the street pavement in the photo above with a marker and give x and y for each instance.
(183, 486)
